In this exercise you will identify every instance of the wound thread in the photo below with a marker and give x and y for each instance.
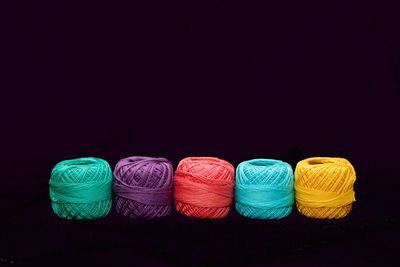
(143, 187)
(81, 188)
(203, 187)
(324, 187)
(264, 189)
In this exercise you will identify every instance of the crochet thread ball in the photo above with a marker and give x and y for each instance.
(203, 187)
(324, 187)
(143, 187)
(81, 188)
(264, 189)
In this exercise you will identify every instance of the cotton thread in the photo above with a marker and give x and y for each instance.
(324, 187)
(81, 188)
(203, 187)
(264, 189)
(143, 187)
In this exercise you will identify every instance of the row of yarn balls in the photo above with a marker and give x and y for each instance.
(201, 187)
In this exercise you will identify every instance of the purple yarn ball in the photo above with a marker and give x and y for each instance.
(143, 187)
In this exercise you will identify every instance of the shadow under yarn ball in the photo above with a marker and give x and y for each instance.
(81, 188)
(204, 187)
(143, 187)
(264, 189)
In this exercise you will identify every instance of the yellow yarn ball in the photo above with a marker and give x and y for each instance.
(324, 187)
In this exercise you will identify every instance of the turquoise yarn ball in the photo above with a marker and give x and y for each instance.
(264, 189)
(81, 188)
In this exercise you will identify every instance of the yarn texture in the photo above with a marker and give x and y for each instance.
(143, 187)
(264, 189)
(324, 187)
(203, 187)
(81, 188)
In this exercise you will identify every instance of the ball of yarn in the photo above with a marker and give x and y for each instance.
(264, 189)
(203, 187)
(143, 187)
(81, 188)
(324, 187)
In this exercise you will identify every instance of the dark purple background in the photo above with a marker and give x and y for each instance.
(237, 80)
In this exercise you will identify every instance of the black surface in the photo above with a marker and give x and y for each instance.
(32, 234)
(237, 80)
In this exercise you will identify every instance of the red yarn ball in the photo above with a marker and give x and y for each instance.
(203, 187)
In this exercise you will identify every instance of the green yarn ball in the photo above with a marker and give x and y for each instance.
(80, 188)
